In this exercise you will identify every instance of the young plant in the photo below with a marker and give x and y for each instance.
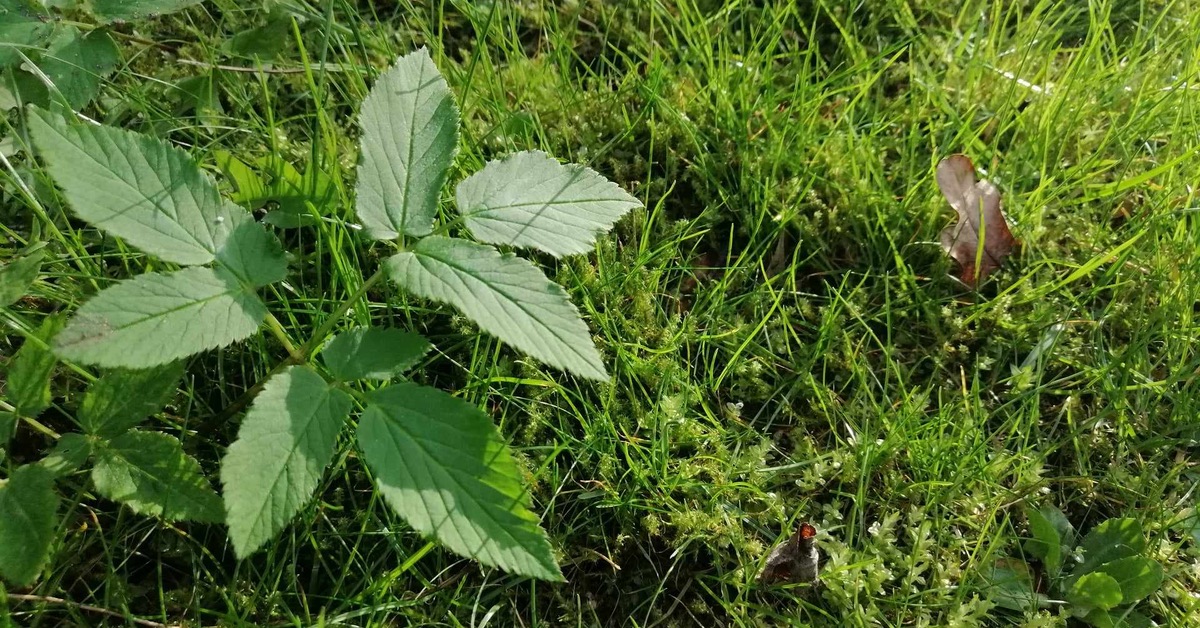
(437, 460)
(1111, 574)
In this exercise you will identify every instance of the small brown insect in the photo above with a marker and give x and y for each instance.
(794, 560)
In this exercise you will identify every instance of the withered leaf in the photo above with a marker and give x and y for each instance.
(794, 560)
(980, 221)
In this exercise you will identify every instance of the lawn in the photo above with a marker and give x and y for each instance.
(785, 339)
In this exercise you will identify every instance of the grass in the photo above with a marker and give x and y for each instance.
(785, 341)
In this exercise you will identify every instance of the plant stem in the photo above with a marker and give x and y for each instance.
(296, 356)
(277, 330)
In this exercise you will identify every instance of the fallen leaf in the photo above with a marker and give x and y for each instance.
(794, 560)
(980, 221)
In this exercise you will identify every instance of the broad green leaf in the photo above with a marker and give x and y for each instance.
(154, 319)
(8, 426)
(282, 185)
(529, 199)
(138, 188)
(23, 27)
(28, 505)
(1062, 526)
(253, 255)
(1008, 583)
(18, 275)
(1138, 576)
(506, 295)
(69, 453)
(200, 96)
(283, 446)
(440, 463)
(265, 41)
(409, 137)
(373, 353)
(1095, 590)
(127, 10)
(30, 370)
(1109, 541)
(1045, 543)
(122, 398)
(75, 65)
(248, 186)
(149, 472)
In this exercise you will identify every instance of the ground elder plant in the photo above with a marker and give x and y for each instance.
(437, 460)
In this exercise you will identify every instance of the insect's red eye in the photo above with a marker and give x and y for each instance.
(807, 531)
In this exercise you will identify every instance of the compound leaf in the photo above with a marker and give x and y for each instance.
(283, 446)
(156, 318)
(28, 505)
(126, 10)
(373, 353)
(144, 190)
(122, 398)
(506, 295)
(410, 134)
(440, 463)
(30, 371)
(23, 26)
(529, 199)
(17, 275)
(150, 473)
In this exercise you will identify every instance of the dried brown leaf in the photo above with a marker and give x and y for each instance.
(980, 221)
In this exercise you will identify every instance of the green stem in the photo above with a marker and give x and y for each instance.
(277, 330)
(307, 348)
(296, 356)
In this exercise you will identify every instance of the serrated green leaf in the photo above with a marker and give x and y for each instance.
(1109, 541)
(69, 453)
(28, 506)
(154, 319)
(440, 463)
(18, 275)
(373, 353)
(122, 398)
(253, 255)
(1095, 590)
(1009, 584)
(23, 27)
(150, 473)
(75, 64)
(154, 196)
(283, 446)
(127, 10)
(506, 295)
(30, 370)
(1045, 544)
(1138, 576)
(410, 135)
(529, 199)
